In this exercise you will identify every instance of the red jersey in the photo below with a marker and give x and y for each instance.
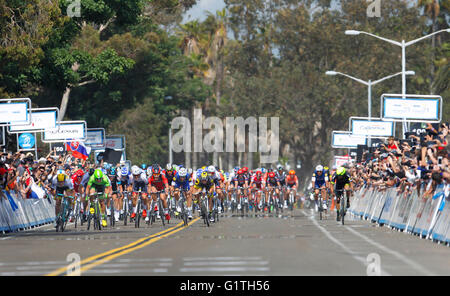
(257, 181)
(159, 183)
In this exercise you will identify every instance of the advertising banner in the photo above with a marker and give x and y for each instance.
(41, 119)
(66, 131)
(345, 139)
(15, 111)
(415, 108)
(373, 128)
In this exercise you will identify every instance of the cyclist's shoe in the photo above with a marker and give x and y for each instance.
(239, 206)
(212, 219)
(178, 210)
(144, 214)
(147, 219)
(71, 219)
(133, 215)
(190, 215)
(348, 204)
(104, 224)
(324, 206)
(92, 211)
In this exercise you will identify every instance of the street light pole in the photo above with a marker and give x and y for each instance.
(403, 45)
(369, 86)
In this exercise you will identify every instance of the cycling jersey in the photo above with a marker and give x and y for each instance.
(272, 182)
(169, 174)
(291, 181)
(160, 183)
(257, 181)
(200, 185)
(76, 182)
(241, 179)
(139, 183)
(281, 177)
(177, 183)
(60, 187)
(341, 180)
(319, 180)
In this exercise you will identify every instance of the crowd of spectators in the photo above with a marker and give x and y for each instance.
(21, 173)
(409, 163)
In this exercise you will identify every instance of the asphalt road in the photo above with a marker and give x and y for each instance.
(298, 243)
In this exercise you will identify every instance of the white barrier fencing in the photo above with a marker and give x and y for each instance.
(407, 211)
(18, 214)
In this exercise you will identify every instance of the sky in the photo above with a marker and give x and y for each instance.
(198, 11)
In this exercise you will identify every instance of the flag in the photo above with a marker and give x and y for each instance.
(78, 150)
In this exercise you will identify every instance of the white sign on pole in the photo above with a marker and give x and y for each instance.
(341, 160)
(95, 138)
(345, 139)
(66, 131)
(374, 127)
(15, 111)
(41, 119)
(115, 142)
(414, 108)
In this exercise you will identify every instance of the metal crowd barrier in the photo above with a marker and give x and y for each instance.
(408, 212)
(17, 214)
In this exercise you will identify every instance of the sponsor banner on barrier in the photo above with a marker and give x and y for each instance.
(115, 142)
(428, 217)
(40, 121)
(411, 108)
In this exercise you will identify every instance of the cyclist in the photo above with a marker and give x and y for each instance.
(217, 179)
(139, 183)
(205, 182)
(281, 176)
(292, 183)
(272, 183)
(342, 181)
(257, 183)
(159, 182)
(113, 178)
(181, 180)
(61, 184)
(320, 182)
(78, 187)
(99, 183)
(123, 182)
(240, 181)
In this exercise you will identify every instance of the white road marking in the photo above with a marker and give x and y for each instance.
(344, 247)
(219, 258)
(222, 269)
(411, 263)
(204, 263)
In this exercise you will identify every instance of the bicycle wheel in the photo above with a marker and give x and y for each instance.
(98, 216)
(160, 206)
(320, 207)
(343, 205)
(138, 214)
(125, 212)
(76, 213)
(111, 210)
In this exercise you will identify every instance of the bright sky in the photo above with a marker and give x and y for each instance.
(199, 10)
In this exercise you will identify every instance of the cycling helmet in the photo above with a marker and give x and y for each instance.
(204, 176)
(319, 168)
(245, 169)
(168, 167)
(211, 169)
(79, 173)
(149, 171)
(143, 166)
(61, 177)
(280, 167)
(271, 175)
(98, 174)
(258, 172)
(340, 171)
(175, 167)
(112, 172)
(156, 170)
(292, 172)
(135, 171)
(124, 171)
(91, 172)
(182, 172)
(240, 172)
